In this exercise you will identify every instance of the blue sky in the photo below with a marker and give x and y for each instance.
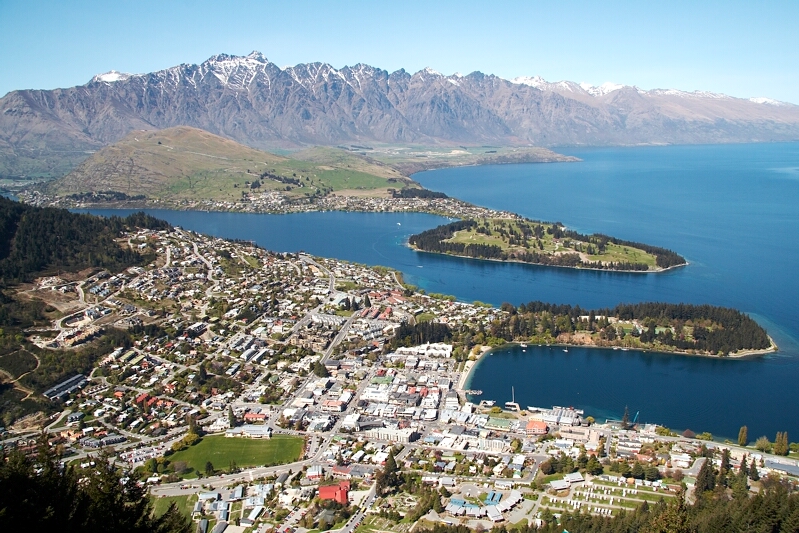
(743, 49)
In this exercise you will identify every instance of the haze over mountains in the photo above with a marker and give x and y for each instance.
(257, 103)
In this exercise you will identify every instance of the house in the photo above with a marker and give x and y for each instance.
(339, 493)
(342, 472)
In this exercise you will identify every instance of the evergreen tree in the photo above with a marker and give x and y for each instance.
(593, 466)
(724, 468)
(754, 475)
(673, 518)
(744, 470)
(625, 419)
(705, 480)
(38, 494)
(388, 479)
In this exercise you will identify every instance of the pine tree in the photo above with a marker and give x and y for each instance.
(754, 475)
(744, 470)
(705, 480)
(625, 419)
(38, 494)
(724, 468)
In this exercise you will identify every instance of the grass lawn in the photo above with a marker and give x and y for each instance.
(613, 252)
(221, 451)
(185, 504)
(618, 253)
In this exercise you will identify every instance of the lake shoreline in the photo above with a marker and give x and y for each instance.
(466, 376)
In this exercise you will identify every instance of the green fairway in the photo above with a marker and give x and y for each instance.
(222, 451)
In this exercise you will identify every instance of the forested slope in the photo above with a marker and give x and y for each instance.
(37, 241)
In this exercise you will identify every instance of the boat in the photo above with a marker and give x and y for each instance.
(512, 405)
(565, 349)
(523, 345)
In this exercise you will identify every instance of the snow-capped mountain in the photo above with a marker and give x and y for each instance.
(253, 101)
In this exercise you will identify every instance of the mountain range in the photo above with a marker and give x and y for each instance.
(253, 101)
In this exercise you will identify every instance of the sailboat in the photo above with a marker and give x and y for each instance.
(512, 405)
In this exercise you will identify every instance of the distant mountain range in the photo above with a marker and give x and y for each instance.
(257, 103)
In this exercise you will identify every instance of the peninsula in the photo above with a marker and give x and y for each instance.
(527, 241)
(185, 168)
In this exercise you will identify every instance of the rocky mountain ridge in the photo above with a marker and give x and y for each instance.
(253, 101)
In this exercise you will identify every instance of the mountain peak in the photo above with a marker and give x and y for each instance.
(768, 101)
(111, 76)
(253, 57)
(601, 90)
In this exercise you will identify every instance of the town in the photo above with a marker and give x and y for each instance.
(280, 203)
(271, 391)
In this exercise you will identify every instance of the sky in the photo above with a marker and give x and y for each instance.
(744, 49)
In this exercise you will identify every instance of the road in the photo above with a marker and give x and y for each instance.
(332, 285)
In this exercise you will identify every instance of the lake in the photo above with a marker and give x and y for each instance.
(731, 210)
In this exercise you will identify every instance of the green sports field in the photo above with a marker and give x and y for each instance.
(221, 451)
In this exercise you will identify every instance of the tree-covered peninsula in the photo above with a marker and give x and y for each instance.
(661, 327)
(540, 243)
(665, 327)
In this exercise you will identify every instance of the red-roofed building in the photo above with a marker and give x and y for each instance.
(339, 493)
(254, 417)
(536, 427)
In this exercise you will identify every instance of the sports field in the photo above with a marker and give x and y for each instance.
(221, 451)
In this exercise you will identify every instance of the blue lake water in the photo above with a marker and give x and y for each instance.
(731, 210)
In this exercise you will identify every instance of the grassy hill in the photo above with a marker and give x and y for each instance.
(186, 163)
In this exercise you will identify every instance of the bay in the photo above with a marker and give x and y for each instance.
(732, 210)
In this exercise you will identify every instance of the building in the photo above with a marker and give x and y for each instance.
(66, 387)
(536, 427)
(403, 436)
(250, 431)
(339, 493)
(315, 472)
(254, 417)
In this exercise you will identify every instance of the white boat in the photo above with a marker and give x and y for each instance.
(512, 405)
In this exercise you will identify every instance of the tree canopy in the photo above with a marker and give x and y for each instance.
(40, 494)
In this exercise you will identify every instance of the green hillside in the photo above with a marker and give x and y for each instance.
(185, 163)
